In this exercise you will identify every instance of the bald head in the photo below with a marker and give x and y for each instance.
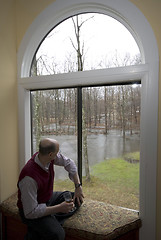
(48, 145)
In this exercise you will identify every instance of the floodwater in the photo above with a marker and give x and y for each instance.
(100, 147)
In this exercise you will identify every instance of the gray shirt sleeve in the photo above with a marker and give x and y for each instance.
(28, 188)
(68, 164)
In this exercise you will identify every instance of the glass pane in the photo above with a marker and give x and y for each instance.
(85, 42)
(54, 116)
(111, 144)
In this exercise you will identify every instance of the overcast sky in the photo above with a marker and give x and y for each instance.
(102, 35)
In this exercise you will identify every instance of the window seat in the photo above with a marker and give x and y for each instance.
(94, 220)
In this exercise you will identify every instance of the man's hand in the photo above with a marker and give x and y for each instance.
(78, 195)
(65, 207)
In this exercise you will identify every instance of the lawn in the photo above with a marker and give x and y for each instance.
(114, 181)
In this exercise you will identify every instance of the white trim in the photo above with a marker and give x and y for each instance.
(24, 125)
(134, 20)
(95, 77)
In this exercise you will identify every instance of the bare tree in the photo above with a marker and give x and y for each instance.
(79, 48)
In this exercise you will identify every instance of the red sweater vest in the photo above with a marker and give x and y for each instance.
(44, 180)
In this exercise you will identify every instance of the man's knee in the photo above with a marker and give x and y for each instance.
(59, 235)
(56, 232)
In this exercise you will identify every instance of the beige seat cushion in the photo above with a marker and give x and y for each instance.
(101, 221)
(94, 220)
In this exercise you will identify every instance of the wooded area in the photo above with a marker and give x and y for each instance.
(104, 108)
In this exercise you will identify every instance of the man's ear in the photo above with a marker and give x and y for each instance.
(50, 154)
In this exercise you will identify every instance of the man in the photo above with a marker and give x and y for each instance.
(41, 208)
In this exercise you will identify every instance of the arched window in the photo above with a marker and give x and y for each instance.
(145, 73)
(106, 136)
(86, 42)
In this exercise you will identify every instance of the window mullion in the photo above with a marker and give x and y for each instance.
(79, 129)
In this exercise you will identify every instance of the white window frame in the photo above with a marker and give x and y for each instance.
(127, 13)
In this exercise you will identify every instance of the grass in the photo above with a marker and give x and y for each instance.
(114, 181)
(133, 155)
(118, 172)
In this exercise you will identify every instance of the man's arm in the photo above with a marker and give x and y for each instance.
(31, 208)
(71, 167)
(63, 207)
(78, 189)
(67, 163)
